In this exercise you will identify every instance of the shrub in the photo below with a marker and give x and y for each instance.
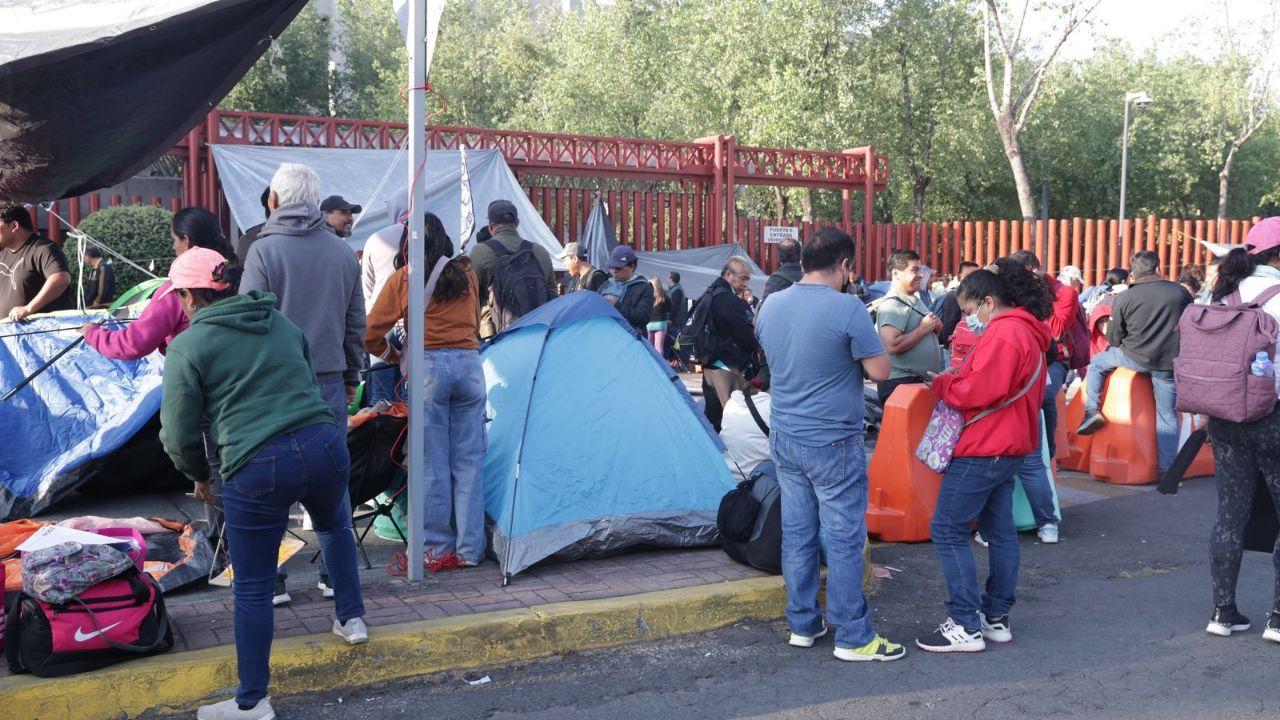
(138, 232)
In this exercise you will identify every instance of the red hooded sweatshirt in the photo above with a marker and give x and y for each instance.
(998, 367)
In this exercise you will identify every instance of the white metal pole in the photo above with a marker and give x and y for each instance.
(1124, 162)
(413, 324)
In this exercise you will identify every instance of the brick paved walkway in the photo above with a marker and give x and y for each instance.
(465, 591)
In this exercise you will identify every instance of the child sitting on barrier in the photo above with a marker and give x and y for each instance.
(999, 389)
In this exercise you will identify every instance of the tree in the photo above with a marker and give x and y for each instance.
(1247, 92)
(293, 75)
(1011, 112)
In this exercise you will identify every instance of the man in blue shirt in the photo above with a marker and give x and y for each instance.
(820, 343)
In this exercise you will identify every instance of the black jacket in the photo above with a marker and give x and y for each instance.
(731, 322)
(783, 278)
(950, 314)
(679, 306)
(1144, 322)
(592, 280)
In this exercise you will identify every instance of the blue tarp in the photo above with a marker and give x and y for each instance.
(598, 236)
(83, 408)
(594, 444)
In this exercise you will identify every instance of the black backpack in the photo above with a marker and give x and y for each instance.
(519, 283)
(750, 520)
(698, 335)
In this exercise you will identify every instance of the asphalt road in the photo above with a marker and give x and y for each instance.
(1109, 624)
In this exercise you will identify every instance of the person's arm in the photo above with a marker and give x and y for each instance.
(387, 311)
(892, 316)
(255, 274)
(1065, 300)
(877, 368)
(865, 345)
(368, 278)
(738, 318)
(1116, 331)
(354, 345)
(160, 319)
(181, 407)
(108, 275)
(54, 286)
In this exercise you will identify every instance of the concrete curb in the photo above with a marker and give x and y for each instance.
(176, 683)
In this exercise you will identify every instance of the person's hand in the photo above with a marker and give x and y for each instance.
(613, 300)
(19, 313)
(204, 492)
(1200, 422)
(84, 329)
(351, 393)
(932, 322)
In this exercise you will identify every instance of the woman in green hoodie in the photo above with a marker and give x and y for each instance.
(248, 369)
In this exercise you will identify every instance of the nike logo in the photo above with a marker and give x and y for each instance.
(85, 637)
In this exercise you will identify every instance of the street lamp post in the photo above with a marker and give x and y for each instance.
(1142, 100)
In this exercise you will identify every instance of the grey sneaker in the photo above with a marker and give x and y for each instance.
(952, 638)
(353, 631)
(1091, 424)
(229, 710)
(996, 629)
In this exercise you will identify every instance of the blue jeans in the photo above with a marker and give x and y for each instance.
(1055, 376)
(824, 487)
(311, 466)
(455, 447)
(1102, 366)
(977, 489)
(334, 392)
(1034, 475)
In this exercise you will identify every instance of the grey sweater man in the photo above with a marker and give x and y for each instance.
(316, 280)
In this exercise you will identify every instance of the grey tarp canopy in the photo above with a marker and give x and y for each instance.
(92, 91)
(355, 174)
(698, 267)
(598, 237)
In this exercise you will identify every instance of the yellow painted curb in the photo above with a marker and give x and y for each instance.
(175, 683)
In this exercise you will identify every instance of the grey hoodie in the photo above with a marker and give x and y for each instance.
(316, 281)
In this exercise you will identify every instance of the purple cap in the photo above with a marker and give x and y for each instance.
(621, 257)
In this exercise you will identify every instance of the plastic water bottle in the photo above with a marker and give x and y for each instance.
(1261, 366)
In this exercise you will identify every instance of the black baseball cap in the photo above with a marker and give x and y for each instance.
(503, 211)
(336, 202)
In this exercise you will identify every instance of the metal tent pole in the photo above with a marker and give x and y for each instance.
(417, 48)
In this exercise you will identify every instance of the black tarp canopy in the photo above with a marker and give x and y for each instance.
(92, 91)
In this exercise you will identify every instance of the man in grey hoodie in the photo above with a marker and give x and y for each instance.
(316, 281)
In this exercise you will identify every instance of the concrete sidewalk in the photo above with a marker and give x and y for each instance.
(453, 620)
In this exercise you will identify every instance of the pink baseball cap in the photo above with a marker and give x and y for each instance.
(197, 268)
(1263, 236)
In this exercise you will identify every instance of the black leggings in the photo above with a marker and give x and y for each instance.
(1244, 454)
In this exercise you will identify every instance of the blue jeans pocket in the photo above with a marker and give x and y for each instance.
(338, 453)
(256, 479)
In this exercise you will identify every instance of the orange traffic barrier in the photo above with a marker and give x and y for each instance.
(1074, 453)
(902, 489)
(1124, 451)
(1060, 432)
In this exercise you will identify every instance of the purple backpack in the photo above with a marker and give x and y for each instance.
(1218, 344)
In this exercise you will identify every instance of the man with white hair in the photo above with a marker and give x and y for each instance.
(316, 281)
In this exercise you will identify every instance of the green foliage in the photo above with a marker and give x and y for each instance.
(139, 232)
(902, 75)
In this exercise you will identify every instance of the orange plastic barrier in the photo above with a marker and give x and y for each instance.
(902, 491)
(1060, 433)
(1074, 453)
(1124, 450)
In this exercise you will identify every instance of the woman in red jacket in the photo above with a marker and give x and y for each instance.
(999, 389)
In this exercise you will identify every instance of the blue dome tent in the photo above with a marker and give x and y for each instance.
(594, 444)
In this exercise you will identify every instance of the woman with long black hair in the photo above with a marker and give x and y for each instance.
(998, 389)
(454, 389)
(1244, 454)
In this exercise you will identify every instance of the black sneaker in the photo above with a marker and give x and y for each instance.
(281, 596)
(1092, 423)
(1272, 632)
(1227, 620)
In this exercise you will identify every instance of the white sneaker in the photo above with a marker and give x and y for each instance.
(805, 641)
(229, 710)
(280, 596)
(325, 590)
(977, 537)
(1048, 533)
(353, 631)
(996, 630)
(953, 639)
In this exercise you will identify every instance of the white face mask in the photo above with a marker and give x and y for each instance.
(975, 325)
